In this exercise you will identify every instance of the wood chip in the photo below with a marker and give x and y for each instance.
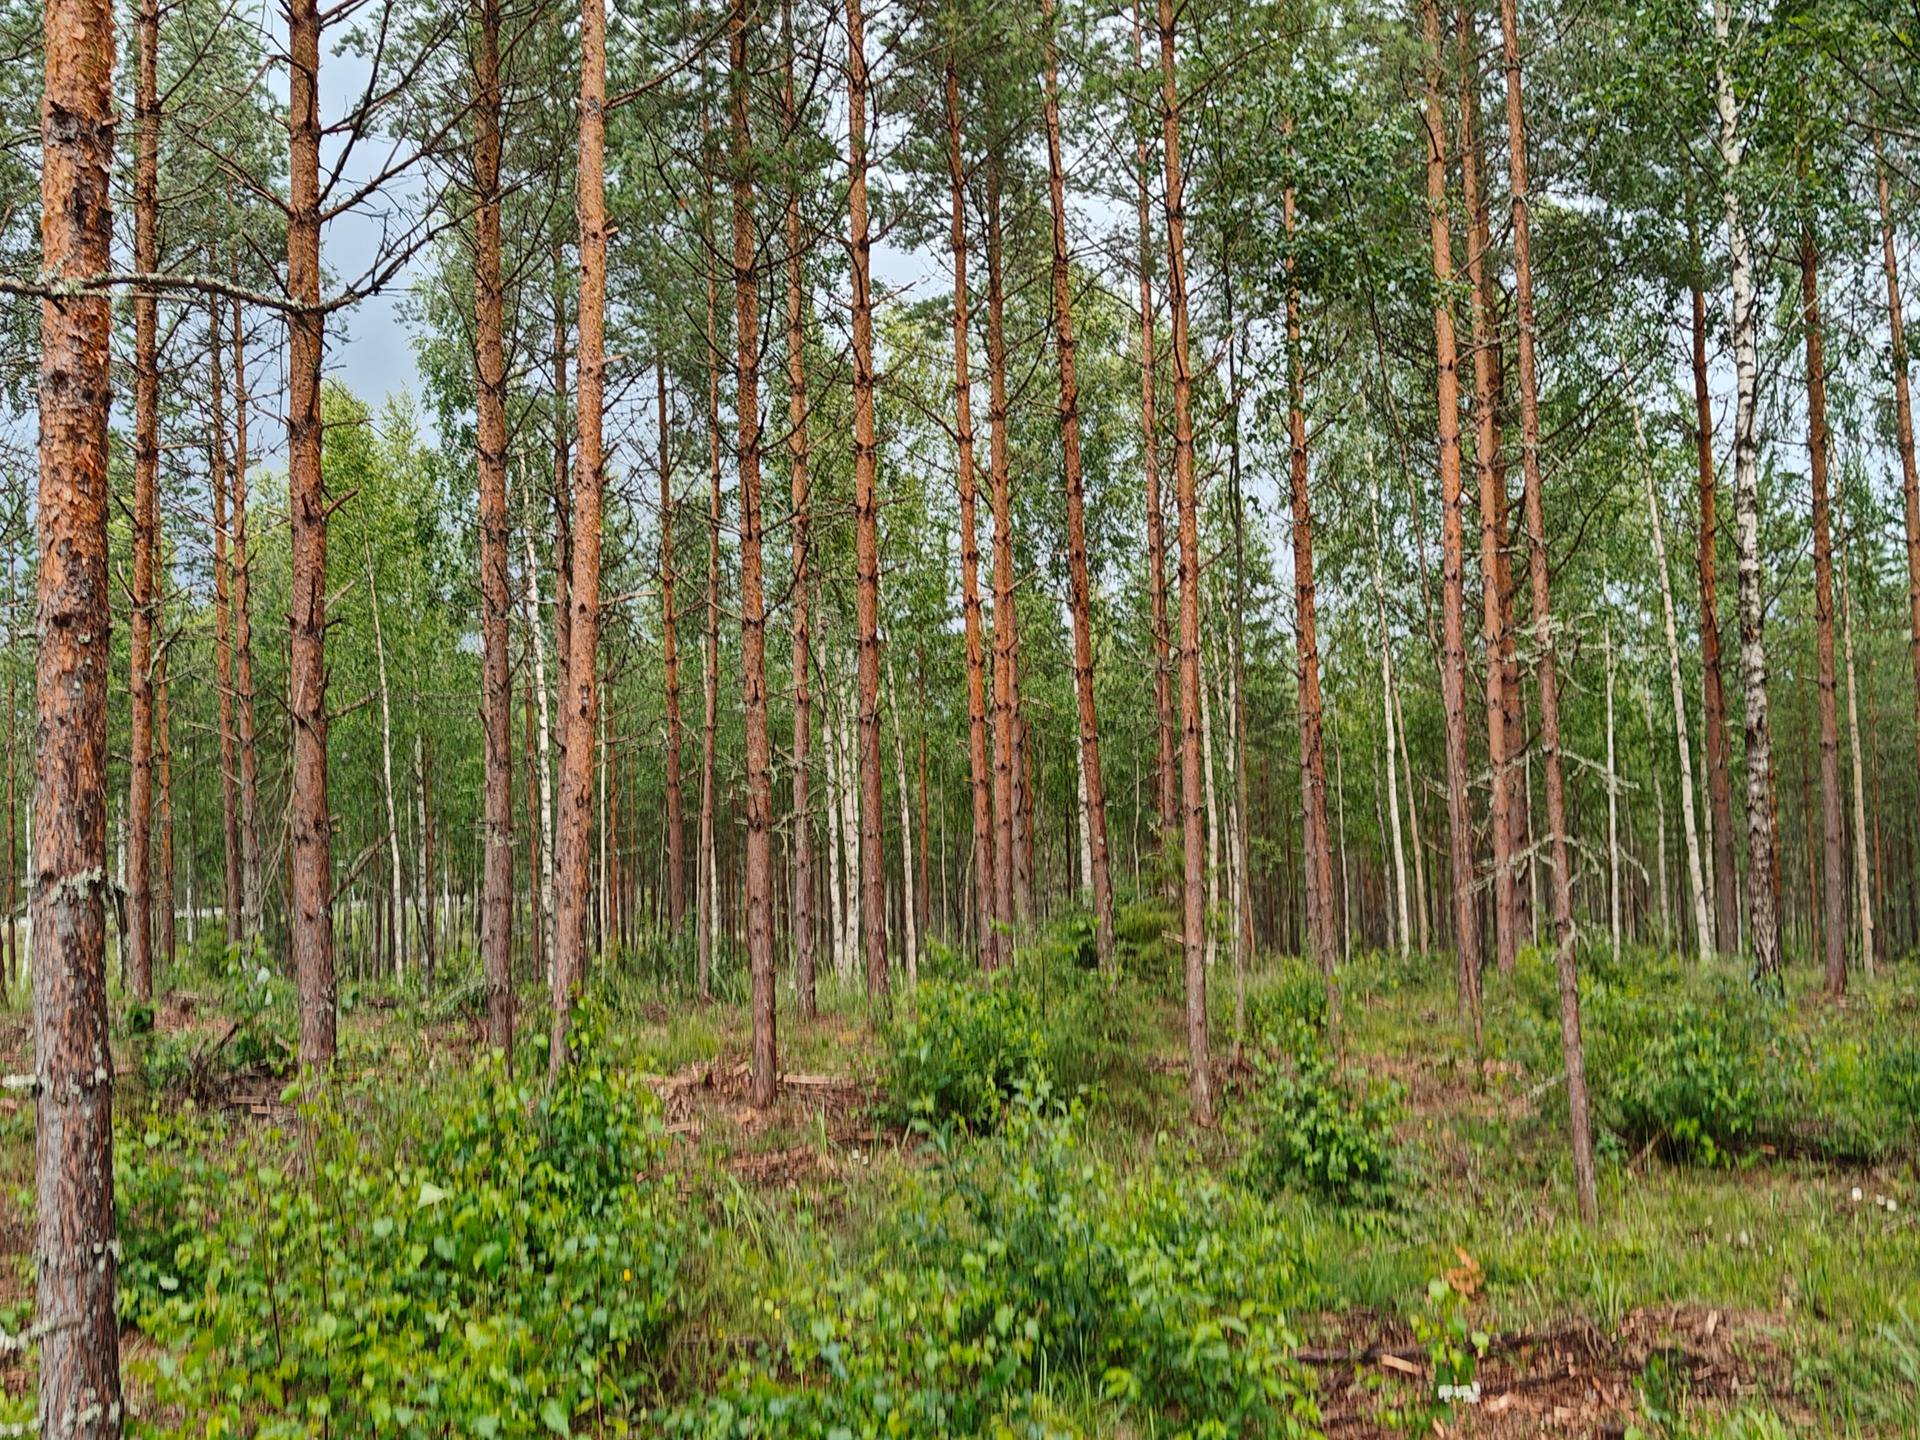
(1405, 1367)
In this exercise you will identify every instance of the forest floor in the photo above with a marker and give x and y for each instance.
(1405, 1205)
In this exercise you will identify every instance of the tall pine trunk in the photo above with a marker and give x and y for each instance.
(310, 847)
(490, 397)
(1194, 916)
(706, 912)
(230, 912)
(1079, 583)
(1453, 657)
(1166, 777)
(1323, 922)
(978, 766)
(243, 647)
(141, 661)
(75, 1254)
(1902, 420)
(753, 604)
(1493, 498)
(801, 519)
(866, 516)
(1862, 883)
(583, 586)
(1763, 874)
(1006, 624)
(1833, 842)
(1573, 1051)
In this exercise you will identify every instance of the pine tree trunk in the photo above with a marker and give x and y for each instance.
(1613, 804)
(1079, 583)
(1902, 420)
(910, 949)
(1166, 776)
(1833, 843)
(1194, 927)
(1726, 890)
(75, 1253)
(1493, 500)
(1763, 878)
(1006, 624)
(1572, 1049)
(243, 649)
(706, 913)
(583, 583)
(490, 399)
(978, 766)
(1453, 657)
(753, 604)
(866, 518)
(1313, 756)
(801, 519)
(230, 912)
(138, 960)
(562, 523)
(310, 845)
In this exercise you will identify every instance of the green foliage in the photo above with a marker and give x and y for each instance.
(480, 1262)
(1289, 999)
(966, 1050)
(1037, 1275)
(1685, 1076)
(1316, 1130)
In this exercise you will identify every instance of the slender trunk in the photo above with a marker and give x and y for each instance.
(583, 583)
(753, 605)
(1453, 657)
(1833, 843)
(1211, 795)
(1613, 804)
(978, 767)
(562, 521)
(670, 664)
(1388, 707)
(1726, 896)
(1763, 881)
(1546, 682)
(423, 882)
(998, 942)
(1862, 887)
(386, 726)
(1702, 923)
(74, 1249)
(243, 649)
(543, 830)
(1902, 420)
(310, 846)
(1313, 755)
(1199, 1066)
(866, 514)
(706, 918)
(801, 519)
(1493, 498)
(1422, 907)
(908, 925)
(1079, 582)
(1165, 775)
(539, 889)
(490, 398)
(138, 960)
(230, 911)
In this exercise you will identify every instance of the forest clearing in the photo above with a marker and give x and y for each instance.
(959, 718)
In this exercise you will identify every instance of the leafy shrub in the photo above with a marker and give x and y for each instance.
(1289, 998)
(1036, 1269)
(483, 1263)
(1687, 1077)
(1317, 1131)
(964, 1052)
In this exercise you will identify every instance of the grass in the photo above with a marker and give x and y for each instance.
(1752, 1296)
